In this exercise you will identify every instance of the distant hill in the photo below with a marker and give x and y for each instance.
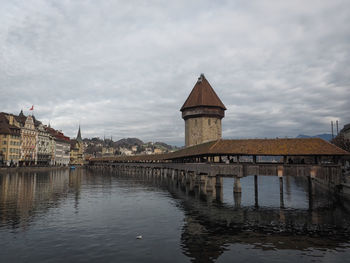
(128, 142)
(324, 136)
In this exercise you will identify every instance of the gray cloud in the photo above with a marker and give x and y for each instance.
(125, 68)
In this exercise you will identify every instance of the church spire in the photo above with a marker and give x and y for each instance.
(79, 139)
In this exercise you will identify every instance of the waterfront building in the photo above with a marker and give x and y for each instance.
(202, 112)
(10, 140)
(107, 151)
(125, 151)
(107, 148)
(44, 146)
(52, 147)
(158, 151)
(148, 150)
(346, 131)
(29, 137)
(61, 149)
(77, 150)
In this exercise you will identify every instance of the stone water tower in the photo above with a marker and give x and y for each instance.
(202, 112)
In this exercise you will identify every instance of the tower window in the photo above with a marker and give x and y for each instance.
(208, 121)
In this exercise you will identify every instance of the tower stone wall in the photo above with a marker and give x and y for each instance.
(202, 129)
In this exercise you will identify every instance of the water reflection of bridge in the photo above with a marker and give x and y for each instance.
(209, 226)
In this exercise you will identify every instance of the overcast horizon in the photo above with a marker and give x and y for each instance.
(124, 69)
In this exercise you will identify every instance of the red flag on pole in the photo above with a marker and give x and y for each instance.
(32, 108)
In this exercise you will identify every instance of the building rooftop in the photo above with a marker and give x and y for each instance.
(57, 134)
(202, 94)
(5, 127)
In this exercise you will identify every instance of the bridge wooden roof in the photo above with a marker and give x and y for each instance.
(302, 147)
(277, 147)
(202, 95)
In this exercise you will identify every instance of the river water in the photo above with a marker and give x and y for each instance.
(93, 216)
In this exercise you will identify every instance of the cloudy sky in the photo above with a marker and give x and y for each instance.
(124, 68)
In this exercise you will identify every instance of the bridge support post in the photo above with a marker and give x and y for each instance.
(280, 171)
(313, 172)
(280, 177)
(183, 177)
(281, 192)
(196, 184)
(218, 181)
(218, 188)
(210, 184)
(210, 188)
(311, 192)
(311, 179)
(256, 191)
(191, 180)
(237, 188)
(178, 174)
(237, 196)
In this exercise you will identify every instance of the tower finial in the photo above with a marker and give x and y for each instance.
(201, 77)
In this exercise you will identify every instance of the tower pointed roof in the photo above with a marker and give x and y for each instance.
(79, 139)
(202, 94)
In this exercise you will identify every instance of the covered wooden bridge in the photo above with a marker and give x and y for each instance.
(284, 151)
(204, 165)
